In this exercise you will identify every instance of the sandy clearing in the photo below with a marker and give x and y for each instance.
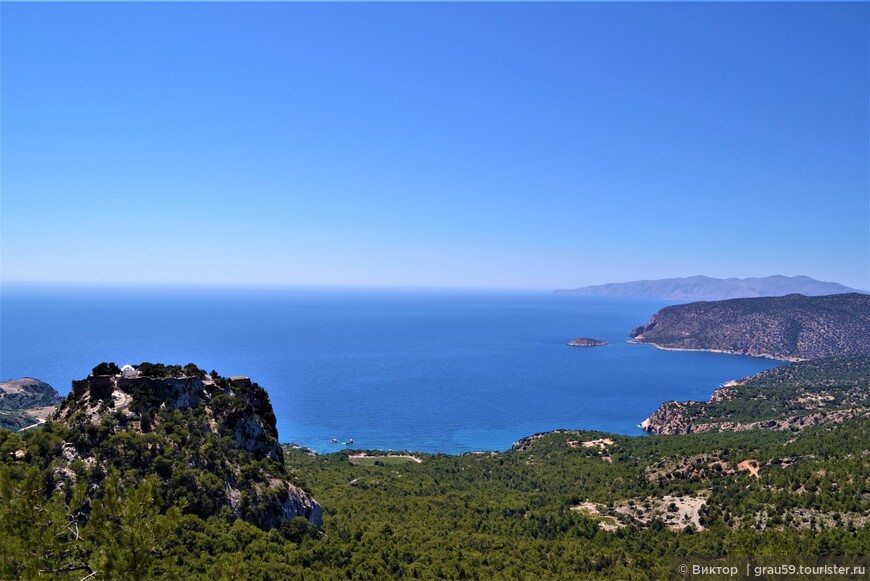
(601, 443)
(380, 456)
(748, 465)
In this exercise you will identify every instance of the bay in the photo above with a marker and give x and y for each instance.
(446, 371)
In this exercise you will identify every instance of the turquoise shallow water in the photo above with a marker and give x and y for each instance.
(435, 371)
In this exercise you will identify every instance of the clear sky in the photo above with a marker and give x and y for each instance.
(480, 145)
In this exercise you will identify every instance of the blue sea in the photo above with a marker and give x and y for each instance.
(434, 371)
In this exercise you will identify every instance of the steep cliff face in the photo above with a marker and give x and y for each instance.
(211, 440)
(670, 418)
(790, 328)
(792, 397)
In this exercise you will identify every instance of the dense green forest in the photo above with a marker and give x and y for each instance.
(538, 510)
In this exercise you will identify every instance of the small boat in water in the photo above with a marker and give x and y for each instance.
(349, 442)
(334, 440)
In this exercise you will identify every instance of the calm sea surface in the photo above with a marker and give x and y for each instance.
(435, 371)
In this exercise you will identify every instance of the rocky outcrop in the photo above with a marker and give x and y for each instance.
(586, 342)
(26, 402)
(214, 430)
(247, 416)
(670, 418)
(297, 503)
(789, 328)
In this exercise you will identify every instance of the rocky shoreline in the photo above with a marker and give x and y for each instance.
(760, 355)
(670, 420)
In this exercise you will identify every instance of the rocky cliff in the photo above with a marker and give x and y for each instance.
(790, 328)
(792, 397)
(211, 440)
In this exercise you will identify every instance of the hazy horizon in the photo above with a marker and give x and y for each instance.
(319, 287)
(446, 145)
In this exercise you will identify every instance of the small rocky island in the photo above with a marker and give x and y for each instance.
(586, 342)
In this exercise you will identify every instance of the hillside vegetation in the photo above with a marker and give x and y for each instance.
(791, 397)
(25, 402)
(113, 499)
(125, 458)
(550, 508)
(792, 327)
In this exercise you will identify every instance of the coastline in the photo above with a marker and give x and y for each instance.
(722, 351)
(482, 389)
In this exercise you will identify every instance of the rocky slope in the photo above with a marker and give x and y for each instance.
(211, 440)
(26, 402)
(791, 328)
(792, 397)
(705, 288)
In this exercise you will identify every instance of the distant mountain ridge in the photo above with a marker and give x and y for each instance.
(791, 328)
(705, 288)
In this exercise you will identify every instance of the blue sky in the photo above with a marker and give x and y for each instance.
(479, 145)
